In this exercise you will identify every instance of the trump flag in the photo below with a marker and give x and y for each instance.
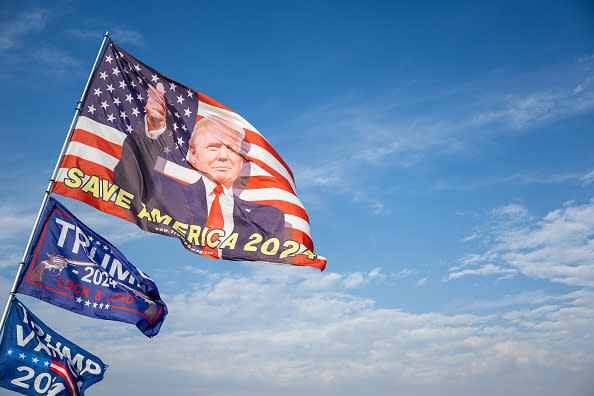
(35, 360)
(173, 161)
(76, 269)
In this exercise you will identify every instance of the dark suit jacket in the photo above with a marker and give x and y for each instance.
(186, 203)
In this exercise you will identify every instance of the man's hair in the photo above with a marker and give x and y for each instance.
(225, 128)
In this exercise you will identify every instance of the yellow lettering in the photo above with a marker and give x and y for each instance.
(230, 242)
(204, 231)
(92, 186)
(219, 233)
(75, 176)
(108, 190)
(194, 235)
(157, 218)
(181, 228)
(144, 213)
(123, 199)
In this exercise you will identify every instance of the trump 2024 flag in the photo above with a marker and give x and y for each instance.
(176, 162)
(35, 360)
(76, 269)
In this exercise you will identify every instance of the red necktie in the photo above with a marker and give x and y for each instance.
(214, 221)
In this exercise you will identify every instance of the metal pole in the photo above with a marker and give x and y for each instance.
(49, 187)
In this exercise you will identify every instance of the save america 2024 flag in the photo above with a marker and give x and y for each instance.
(71, 266)
(176, 162)
(35, 360)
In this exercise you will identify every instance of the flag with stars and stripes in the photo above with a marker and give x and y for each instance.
(35, 360)
(153, 173)
(73, 267)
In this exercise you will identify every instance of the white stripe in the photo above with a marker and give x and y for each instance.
(204, 109)
(298, 223)
(255, 170)
(92, 154)
(267, 194)
(263, 155)
(103, 131)
(181, 172)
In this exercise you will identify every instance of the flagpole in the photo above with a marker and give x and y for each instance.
(48, 190)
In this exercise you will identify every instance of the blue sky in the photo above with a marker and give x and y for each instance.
(444, 154)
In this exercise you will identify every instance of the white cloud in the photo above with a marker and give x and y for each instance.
(266, 332)
(558, 247)
(588, 177)
(421, 282)
(13, 31)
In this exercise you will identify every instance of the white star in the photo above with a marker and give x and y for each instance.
(97, 243)
(87, 303)
(190, 94)
(184, 127)
(187, 112)
(167, 150)
(103, 75)
(97, 92)
(104, 105)
(175, 127)
(180, 99)
(117, 101)
(91, 238)
(133, 84)
(172, 86)
(139, 97)
(46, 363)
(110, 117)
(106, 306)
(122, 84)
(177, 114)
(105, 247)
(34, 360)
(91, 109)
(22, 356)
(123, 115)
(137, 67)
(101, 306)
(9, 352)
(116, 71)
(129, 98)
(154, 78)
(78, 300)
(135, 111)
(110, 88)
(129, 128)
(180, 141)
(108, 59)
(94, 305)
(140, 80)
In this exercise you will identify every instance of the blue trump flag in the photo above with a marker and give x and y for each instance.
(35, 360)
(76, 269)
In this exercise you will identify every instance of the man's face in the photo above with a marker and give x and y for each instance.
(211, 155)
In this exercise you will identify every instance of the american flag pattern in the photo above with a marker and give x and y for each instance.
(114, 105)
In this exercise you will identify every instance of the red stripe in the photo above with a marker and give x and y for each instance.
(303, 238)
(89, 167)
(66, 375)
(287, 207)
(139, 313)
(273, 172)
(90, 139)
(257, 139)
(256, 182)
(210, 101)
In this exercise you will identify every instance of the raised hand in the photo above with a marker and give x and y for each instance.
(156, 111)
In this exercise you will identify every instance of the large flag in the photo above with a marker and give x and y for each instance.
(35, 360)
(75, 268)
(176, 162)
